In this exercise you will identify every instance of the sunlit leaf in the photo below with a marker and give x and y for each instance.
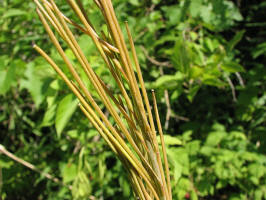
(232, 67)
(13, 12)
(170, 140)
(65, 110)
(69, 172)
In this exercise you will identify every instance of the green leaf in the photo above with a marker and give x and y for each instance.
(73, 133)
(49, 116)
(232, 67)
(5, 164)
(156, 1)
(218, 127)
(37, 81)
(170, 140)
(165, 38)
(192, 92)
(209, 44)
(169, 81)
(81, 186)
(134, 2)
(180, 57)
(193, 147)
(233, 42)
(259, 50)
(65, 110)
(212, 80)
(205, 186)
(173, 14)
(176, 166)
(195, 7)
(176, 93)
(85, 44)
(206, 13)
(196, 72)
(69, 172)
(7, 77)
(125, 186)
(214, 138)
(13, 12)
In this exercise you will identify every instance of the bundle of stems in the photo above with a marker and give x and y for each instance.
(132, 136)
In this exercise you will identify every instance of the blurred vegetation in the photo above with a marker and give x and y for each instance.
(204, 58)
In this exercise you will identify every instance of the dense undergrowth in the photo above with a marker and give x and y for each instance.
(204, 58)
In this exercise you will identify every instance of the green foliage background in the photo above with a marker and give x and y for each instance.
(209, 55)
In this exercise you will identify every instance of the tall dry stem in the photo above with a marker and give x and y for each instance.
(132, 136)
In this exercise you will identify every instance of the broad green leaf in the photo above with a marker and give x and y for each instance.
(37, 81)
(212, 80)
(69, 172)
(238, 135)
(206, 13)
(200, 58)
(169, 81)
(173, 13)
(176, 166)
(204, 186)
(218, 127)
(156, 1)
(65, 110)
(134, 2)
(214, 138)
(195, 7)
(73, 133)
(86, 44)
(232, 67)
(7, 77)
(49, 115)
(209, 44)
(193, 147)
(170, 140)
(207, 150)
(13, 12)
(196, 72)
(177, 92)
(155, 15)
(70, 54)
(180, 57)
(5, 164)
(81, 186)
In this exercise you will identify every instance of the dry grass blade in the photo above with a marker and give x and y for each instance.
(133, 136)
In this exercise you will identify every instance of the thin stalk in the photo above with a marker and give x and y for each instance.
(163, 144)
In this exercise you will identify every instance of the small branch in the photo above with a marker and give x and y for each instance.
(77, 147)
(240, 79)
(140, 34)
(196, 28)
(1, 180)
(150, 9)
(181, 118)
(29, 165)
(168, 113)
(168, 105)
(232, 88)
(155, 62)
